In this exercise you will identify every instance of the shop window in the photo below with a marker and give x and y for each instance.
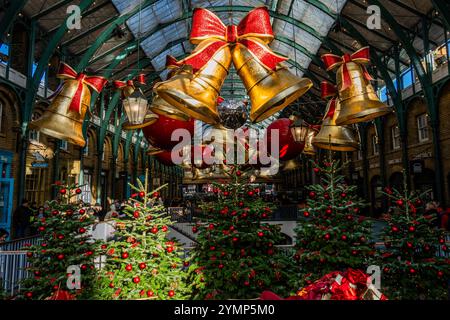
(395, 131)
(86, 191)
(36, 185)
(63, 145)
(375, 146)
(422, 127)
(86, 148)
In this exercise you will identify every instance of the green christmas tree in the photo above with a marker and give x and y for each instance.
(236, 251)
(413, 261)
(142, 263)
(65, 242)
(332, 236)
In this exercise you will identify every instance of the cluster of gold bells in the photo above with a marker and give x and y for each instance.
(195, 92)
(352, 100)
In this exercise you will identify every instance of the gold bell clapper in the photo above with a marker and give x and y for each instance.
(63, 119)
(331, 136)
(196, 93)
(290, 165)
(270, 90)
(359, 101)
(161, 106)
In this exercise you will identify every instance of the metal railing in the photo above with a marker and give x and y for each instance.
(13, 264)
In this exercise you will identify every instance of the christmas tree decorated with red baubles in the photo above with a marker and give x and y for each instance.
(236, 252)
(142, 263)
(66, 249)
(414, 261)
(332, 235)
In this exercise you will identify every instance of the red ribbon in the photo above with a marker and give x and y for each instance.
(329, 91)
(94, 82)
(140, 79)
(254, 28)
(360, 57)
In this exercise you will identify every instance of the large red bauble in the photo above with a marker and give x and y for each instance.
(159, 133)
(289, 149)
(203, 153)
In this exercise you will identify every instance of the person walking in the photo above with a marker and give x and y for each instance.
(21, 219)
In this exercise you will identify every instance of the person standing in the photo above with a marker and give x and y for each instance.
(21, 219)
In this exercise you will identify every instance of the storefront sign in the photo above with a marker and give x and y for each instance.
(39, 164)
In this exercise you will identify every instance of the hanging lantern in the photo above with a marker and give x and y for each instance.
(299, 129)
(134, 103)
(136, 106)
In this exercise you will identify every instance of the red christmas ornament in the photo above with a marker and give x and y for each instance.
(344, 237)
(220, 266)
(194, 229)
(354, 252)
(394, 229)
(60, 256)
(327, 236)
(306, 214)
(128, 267)
(235, 239)
(241, 204)
(343, 195)
(63, 191)
(444, 248)
(412, 271)
(125, 255)
(212, 248)
(409, 245)
(82, 230)
(82, 211)
(60, 237)
(328, 211)
(264, 215)
(440, 274)
(41, 228)
(164, 229)
(441, 240)
(29, 294)
(55, 212)
(349, 217)
(312, 194)
(246, 283)
(29, 254)
(171, 293)
(316, 170)
(399, 202)
(226, 193)
(150, 293)
(142, 265)
(211, 226)
(250, 193)
(260, 234)
(289, 149)
(238, 173)
(136, 214)
(78, 191)
(159, 133)
(412, 229)
(326, 196)
(169, 249)
(136, 280)
(154, 230)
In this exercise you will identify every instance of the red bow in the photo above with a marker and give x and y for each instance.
(140, 79)
(329, 91)
(254, 28)
(360, 57)
(94, 82)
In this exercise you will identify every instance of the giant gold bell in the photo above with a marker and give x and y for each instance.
(334, 137)
(309, 149)
(359, 102)
(196, 93)
(269, 91)
(59, 121)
